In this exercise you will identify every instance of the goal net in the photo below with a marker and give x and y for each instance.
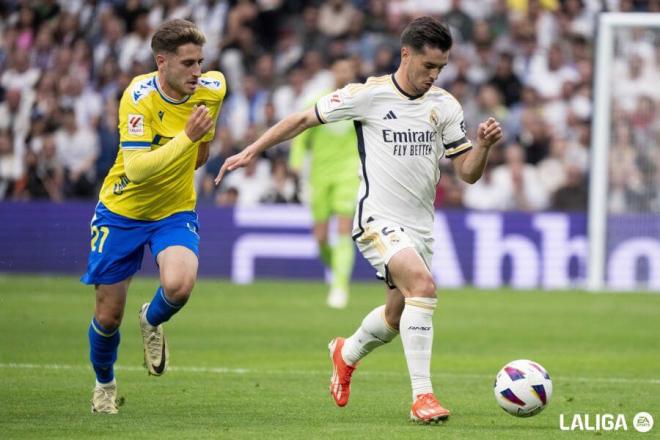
(624, 205)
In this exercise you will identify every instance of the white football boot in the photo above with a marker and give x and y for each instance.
(156, 353)
(104, 399)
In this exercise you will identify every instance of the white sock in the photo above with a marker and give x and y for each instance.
(372, 333)
(109, 384)
(417, 338)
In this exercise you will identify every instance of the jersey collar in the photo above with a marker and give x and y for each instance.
(407, 95)
(167, 98)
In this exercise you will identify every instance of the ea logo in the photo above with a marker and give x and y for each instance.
(643, 422)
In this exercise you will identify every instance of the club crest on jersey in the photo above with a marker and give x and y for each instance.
(136, 125)
(433, 117)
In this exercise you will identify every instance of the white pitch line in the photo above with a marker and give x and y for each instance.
(215, 370)
(226, 370)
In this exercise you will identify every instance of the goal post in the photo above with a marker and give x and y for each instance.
(598, 275)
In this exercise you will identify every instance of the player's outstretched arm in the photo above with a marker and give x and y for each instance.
(287, 128)
(140, 165)
(470, 166)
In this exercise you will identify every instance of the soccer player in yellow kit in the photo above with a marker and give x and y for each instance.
(166, 120)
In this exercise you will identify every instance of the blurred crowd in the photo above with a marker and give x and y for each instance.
(529, 63)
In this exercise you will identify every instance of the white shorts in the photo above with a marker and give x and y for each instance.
(382, 239)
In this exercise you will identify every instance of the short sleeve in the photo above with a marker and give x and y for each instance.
(454, 133)
(134, 123)
(350, 102)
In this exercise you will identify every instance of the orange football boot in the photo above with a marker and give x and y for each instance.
(427, 409)
(340, 382)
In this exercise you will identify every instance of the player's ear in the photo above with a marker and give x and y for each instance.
(161, 60)
(405, 53)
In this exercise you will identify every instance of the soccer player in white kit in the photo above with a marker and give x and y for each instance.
(404, 126)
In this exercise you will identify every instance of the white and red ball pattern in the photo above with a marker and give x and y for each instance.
(523, 388)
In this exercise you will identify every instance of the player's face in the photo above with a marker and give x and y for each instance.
(423, 67)
(182, 69)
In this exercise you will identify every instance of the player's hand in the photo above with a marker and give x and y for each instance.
(199, 123)
(489, 133)
(236, 161)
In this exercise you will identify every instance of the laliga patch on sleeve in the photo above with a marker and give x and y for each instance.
(335, 100)
(136, 125)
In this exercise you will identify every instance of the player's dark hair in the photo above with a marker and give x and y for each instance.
(426, 31)
(174, 33)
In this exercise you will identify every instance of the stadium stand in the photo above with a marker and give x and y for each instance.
(64, 65)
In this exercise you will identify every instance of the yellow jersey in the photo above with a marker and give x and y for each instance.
(148, 119)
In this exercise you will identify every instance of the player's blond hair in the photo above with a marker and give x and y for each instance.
(174, 33)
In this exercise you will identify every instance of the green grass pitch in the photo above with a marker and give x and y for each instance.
(250, 362)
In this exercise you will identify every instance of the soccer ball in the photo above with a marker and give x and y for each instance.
(523, 388)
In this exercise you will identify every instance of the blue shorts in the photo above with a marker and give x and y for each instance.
(117, 245)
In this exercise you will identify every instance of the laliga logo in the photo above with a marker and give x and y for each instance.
(642, 422)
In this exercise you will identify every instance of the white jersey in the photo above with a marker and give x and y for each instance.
(401, 139)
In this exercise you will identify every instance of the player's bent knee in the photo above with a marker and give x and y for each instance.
(178, 290)
(109, 319)
(109, 313)
(424, 286)
(417, 283)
